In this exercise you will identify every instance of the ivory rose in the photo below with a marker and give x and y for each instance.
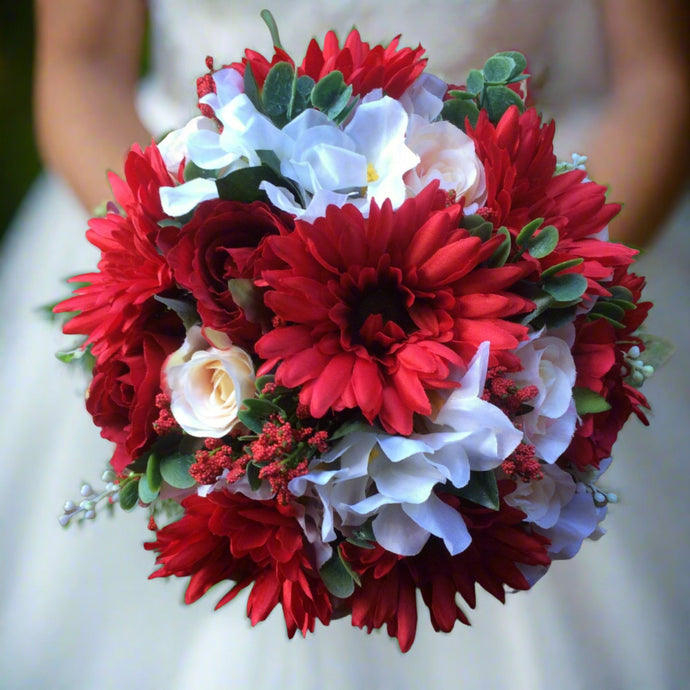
(446, 154)
(207, 385)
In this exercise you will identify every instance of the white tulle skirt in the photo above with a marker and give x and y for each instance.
(76, 609)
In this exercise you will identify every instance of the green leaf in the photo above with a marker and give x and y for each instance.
(566, 287)
(129, 493)
(544, 243)
(185, 310)
(455, 112)
(262, 381)
(253, 478)
(606, 308)
(146, 494)
(589, 402)
(338, 577)
(277, 94)
(497, 99)
(255, 412)
(527, 231)
(249, 298)
(502, 252)
(482, 489)
(498, 69)
(557, 268)
(518, 59)
(363, 536)
(328, 90)
(272, 27)
(475, 82)
(620, 292)
(251, 89)
(302, 88)
(657, 350)
(542, 301)
(153, 473)
(243, 184)
(175, 470)
(74, 355)
(461, 95)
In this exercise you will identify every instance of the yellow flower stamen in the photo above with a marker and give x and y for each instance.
(372, 175)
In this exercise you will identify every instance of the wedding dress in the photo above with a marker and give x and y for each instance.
(75, 608)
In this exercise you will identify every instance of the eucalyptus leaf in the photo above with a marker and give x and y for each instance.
(348, 428)
(262, 381)
(614, 322)
(527, 231)
(255, 412)
(623, 304)
(502, 252)
(337, 577)
(302, 88)
(557, 268)
(277, 93)
(607, 308)
(566, 287)
(456, 112)
(620, 292)
(475, 82)
(327, 90)
(482, 489)
(589, 402)
(175, 470)
(129, 494)
(497, 99)
(498, 69)
(146, 494)
(657, 350)
(519, 61)
(462, 95)
(544, 243)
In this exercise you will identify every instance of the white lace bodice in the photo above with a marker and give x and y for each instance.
(560, 37)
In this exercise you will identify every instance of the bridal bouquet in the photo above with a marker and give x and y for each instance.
(356, 333)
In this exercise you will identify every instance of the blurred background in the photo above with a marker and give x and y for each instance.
(19, 162)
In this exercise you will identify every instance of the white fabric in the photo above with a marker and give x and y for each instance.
(76, 610)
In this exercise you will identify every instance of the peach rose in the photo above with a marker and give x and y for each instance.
(446, 154)
(207, 386)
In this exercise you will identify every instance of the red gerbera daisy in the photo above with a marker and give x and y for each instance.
(374, 312)
(131, 269)
(500, 543)
(228, 536)
(366, 68)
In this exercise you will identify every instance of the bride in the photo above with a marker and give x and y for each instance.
(76, 609)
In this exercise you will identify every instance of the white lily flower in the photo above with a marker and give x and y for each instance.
(424, 97)
(392, 478)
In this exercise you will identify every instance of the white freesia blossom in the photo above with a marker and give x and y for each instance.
(548, 364)
(392, 478)
(542, 500)
(448, 155)
(207, 385)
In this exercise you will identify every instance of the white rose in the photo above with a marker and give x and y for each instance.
(446, 154)
(207, 386)
(548, 364)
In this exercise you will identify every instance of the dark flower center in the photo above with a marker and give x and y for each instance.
(386, 301)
